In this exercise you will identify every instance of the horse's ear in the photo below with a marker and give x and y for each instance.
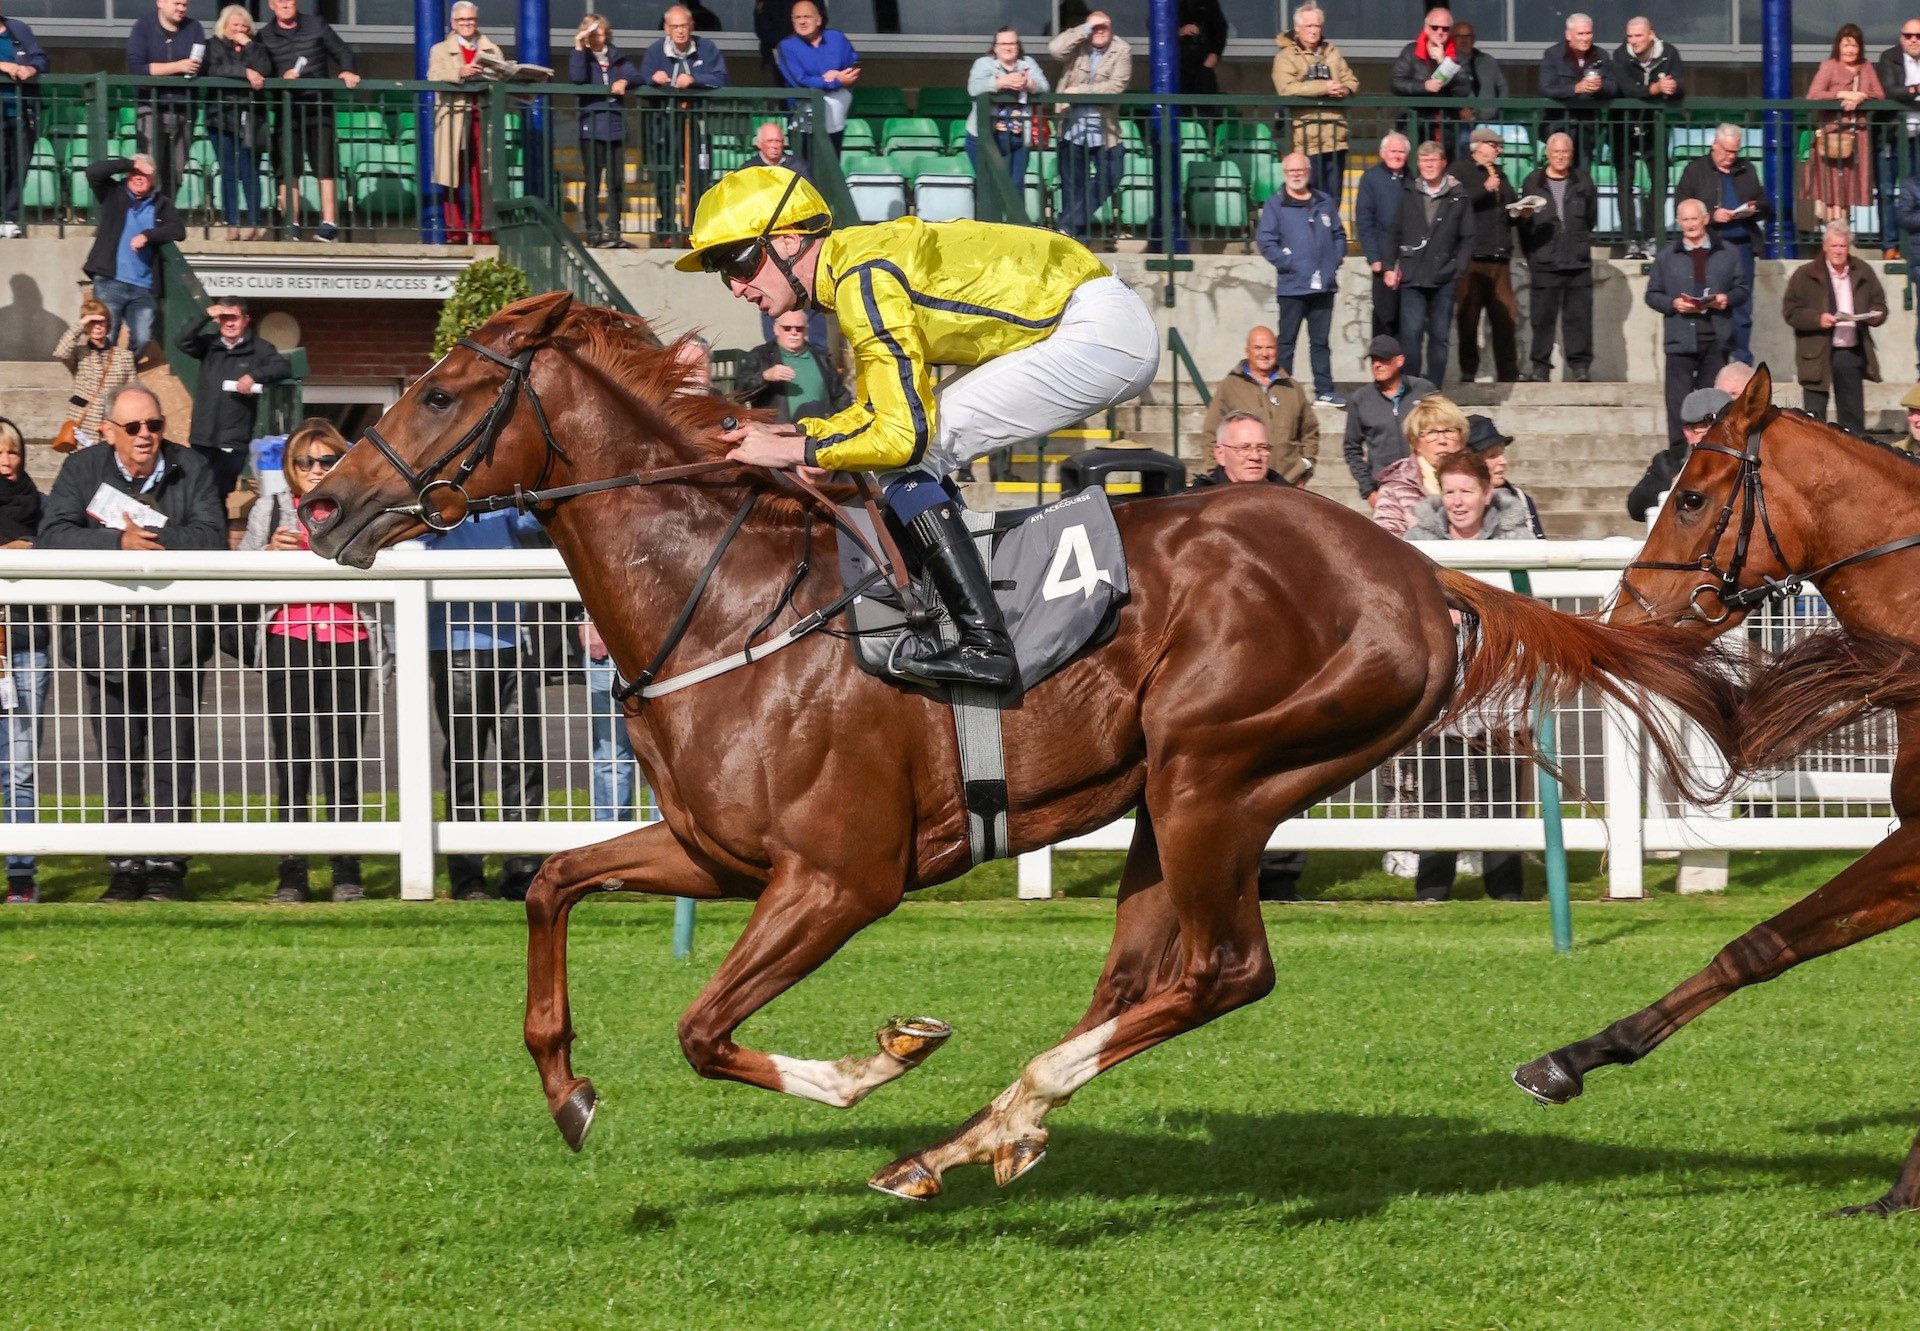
(1755, 400)
(530, 322)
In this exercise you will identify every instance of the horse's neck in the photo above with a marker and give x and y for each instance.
(636, 556)
(1856, 496)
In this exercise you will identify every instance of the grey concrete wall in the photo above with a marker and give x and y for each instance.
(44, 287)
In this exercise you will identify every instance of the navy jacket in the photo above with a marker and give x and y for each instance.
(18, 97)
(1377, 204)
(600, 116)
(1633, 77)
(149, 44)
(1559, 72)
(803, 64)
(706, 64)
(1304, 241)
(1672, 275)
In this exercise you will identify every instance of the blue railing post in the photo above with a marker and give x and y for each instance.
(427, 17)
(1776, 82)
(1163, 42)
(532, 47)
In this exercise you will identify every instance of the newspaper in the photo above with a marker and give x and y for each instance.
(119, 510)
(1529, 203)
(500, 70)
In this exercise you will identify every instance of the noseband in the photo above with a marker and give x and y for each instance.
(1726, 586)
(477, 444)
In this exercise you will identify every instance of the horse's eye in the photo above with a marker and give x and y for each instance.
(439, 399)
(1691, 501)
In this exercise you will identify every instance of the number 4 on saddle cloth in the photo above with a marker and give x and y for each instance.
(1058, 573)
(1060, 577)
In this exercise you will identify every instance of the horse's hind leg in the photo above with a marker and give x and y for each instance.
(1879, 892)
(1210, 850)
(646, 860)
(802, 918)
(1146, 929)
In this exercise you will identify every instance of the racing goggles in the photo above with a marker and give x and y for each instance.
(735, 263)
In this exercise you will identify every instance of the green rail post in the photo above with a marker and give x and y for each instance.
(1546, 741)
(682, 928)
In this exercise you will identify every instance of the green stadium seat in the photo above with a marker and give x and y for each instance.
(361, 126)
(1216, 198)
(1194, 141)
(40, 191)
(878, 189)
(943, 188)
(956, 135)
(126, 122)
(879, 103)
(731, 159)
(1237, 137)
(907, 161)
(944, 103)
(904, 132)
(858, 136)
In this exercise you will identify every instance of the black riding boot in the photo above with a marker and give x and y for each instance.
(984, 654)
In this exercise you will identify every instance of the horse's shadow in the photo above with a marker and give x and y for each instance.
(1275, 1170)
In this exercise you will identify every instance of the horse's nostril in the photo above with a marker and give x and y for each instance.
(320, 512)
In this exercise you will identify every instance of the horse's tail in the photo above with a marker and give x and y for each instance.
(1519, 649)
(1822, 683)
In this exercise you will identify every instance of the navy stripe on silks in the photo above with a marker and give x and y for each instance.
(901, 363)
(952, 306)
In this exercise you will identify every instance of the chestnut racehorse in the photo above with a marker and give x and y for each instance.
(1772, 500)
(1275, 648)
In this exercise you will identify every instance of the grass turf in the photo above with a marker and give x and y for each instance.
(220, 1115)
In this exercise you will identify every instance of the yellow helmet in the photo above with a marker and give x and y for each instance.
(752, 204)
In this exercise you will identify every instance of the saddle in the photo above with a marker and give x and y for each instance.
(1059, 574)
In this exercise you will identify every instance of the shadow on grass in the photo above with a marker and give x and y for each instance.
(1846, 1127)
(1296, 1169)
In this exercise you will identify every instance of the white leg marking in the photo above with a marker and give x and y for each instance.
(1065, 1068)
(840, 1084)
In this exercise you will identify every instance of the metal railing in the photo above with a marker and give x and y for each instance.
(1211, 162)
(523, 733)
(278, 159)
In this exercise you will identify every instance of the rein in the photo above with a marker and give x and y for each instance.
(1734, 598)
(477, 445)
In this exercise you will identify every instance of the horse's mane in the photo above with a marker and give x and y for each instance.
(652, 374)
(1796, 414)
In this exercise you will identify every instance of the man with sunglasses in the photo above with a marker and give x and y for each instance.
(235, 366)
(1056, 336)
(140, 663)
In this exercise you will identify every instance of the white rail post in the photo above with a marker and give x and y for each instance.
(413, 716)
(1035, 874)
(1626, 834)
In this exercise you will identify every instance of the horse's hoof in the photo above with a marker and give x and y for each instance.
(575, 1114)
(1014, 1158)
(1883, 1208)
(912, 1039)
(1547, 1080)
(908, 1178)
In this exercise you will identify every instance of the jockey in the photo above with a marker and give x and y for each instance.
(1057, 337)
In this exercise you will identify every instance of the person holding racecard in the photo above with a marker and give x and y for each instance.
(140, 663)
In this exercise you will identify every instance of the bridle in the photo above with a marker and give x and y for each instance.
(1732, 596)
(477, 446)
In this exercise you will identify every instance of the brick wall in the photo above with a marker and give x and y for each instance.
(383, 339)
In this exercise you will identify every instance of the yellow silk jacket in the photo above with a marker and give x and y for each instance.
(912, 294)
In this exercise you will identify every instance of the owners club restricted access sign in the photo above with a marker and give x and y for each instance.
(415, 282)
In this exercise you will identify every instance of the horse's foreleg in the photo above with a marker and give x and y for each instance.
(646, 860)
(1219, 950)
(802, 918)
(1879, 892)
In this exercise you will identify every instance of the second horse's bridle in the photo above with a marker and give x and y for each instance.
(1733, 597)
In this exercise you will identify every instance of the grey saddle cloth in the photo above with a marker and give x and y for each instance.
(1058, 572)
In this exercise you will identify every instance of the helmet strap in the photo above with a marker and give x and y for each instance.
(802, 297)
